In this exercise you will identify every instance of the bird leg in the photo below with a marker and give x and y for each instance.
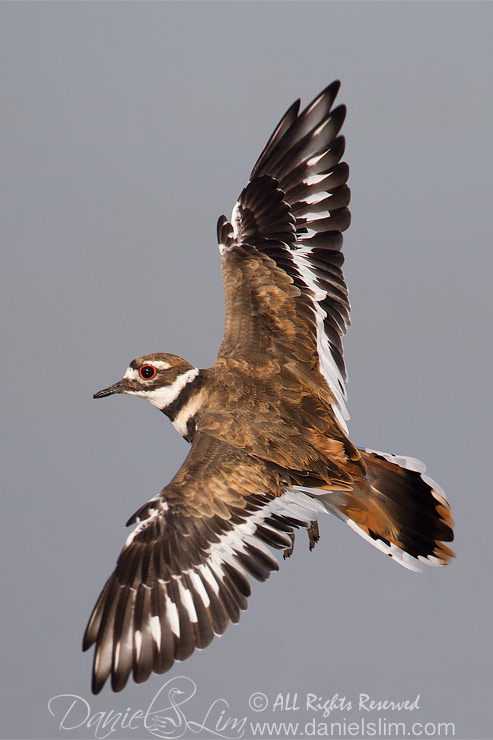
(313, 534)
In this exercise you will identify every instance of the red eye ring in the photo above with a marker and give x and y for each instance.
(147, 372)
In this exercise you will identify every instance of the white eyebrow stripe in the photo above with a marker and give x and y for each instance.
(133, 374)
(160, 364)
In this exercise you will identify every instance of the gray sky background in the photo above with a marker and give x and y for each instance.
(126, 130)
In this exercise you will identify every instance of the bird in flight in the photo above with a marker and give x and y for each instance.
(270, 450)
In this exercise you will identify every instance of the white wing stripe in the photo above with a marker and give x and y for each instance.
(200, 588)
(187, 601)
(172, 615)
(328, 366)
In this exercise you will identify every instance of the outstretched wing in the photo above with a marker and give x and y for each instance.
(183, 573)
(284, 286)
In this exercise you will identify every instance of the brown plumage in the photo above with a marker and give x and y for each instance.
(269, 444)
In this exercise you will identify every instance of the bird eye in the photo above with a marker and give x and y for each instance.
(147, 372)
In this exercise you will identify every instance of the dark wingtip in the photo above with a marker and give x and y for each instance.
(118, 682)
(86, 644)
(334, 87)
(329, 92)
(89, 637)
(96, 685)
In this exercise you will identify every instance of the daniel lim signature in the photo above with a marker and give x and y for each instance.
(164, 717)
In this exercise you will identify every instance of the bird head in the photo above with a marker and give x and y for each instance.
(159, 378)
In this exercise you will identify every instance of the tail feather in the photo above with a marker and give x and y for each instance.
(398, 509)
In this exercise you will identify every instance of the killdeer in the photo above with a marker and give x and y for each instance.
(267, 423)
